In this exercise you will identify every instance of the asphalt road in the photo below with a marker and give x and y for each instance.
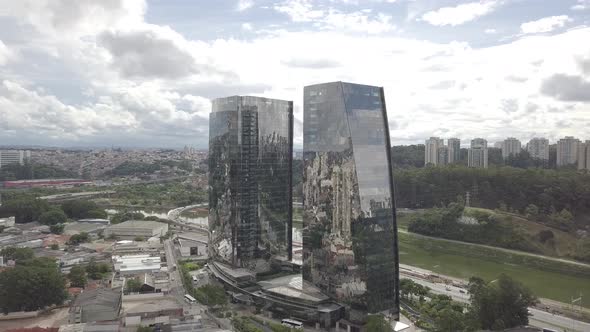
(538, 317)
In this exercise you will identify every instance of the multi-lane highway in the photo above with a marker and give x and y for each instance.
(538, 318)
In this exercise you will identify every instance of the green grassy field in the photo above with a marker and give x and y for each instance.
(552, 280)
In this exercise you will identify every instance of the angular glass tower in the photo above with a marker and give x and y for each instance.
(349, 227)
(250, 165)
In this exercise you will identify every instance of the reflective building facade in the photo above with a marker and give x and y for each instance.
(250, 156)
(349, 227)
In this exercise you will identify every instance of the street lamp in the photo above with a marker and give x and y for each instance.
(579, 300)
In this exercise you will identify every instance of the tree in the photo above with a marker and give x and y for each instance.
(378, 323)
(138, 239)
(95, 270)
(17, 254)
(77, 276)
(28, 288)
(57, 228)
(79, 238)
(133, 285)
(142, 328)
(120, 217)
(54, 246)
(500, 304)
(82, 209)
(545, 235)
(24, 208)
(52, 217)
(531, 211)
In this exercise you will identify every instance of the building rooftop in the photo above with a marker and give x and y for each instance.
(100, 296)
(137, 224)
(136, 263)
(292, 286)
(156, 305)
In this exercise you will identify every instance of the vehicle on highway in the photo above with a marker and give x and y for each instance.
(189, 299)
(292, 324)
(195, 279)
(548, 330)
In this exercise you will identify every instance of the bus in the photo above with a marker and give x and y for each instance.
(189, 299)
(292, 324)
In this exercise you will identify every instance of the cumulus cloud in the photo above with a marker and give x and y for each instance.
(145, 83)
(546, 24)
(146, 54)
(357, 21)
(71, 19)
(311, 63)
(567, 88)
(581, 5)
(4, 53)
(460, 14)
(244, 4)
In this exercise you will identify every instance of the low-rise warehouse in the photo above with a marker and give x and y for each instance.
(136, 264)
(137, 228)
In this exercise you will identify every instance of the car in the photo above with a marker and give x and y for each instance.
(461, 291)
(172, 278)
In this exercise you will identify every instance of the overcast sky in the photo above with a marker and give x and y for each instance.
(142, 73)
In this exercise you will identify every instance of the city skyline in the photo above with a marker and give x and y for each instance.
(143, 73)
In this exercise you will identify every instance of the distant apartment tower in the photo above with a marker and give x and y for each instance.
(538, 148)
(584, 155)
(250, 168)
(477, 156)
(454, 150)
(567, 151)
(431, 151)
(511, 147)
(443, 155)
(8, 157)
(350, 246)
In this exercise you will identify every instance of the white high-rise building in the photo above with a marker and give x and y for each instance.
(14, 157)
(584, 155)
(511, 146)
(431, 151)
(538, 148)
(478, 153)
(567, 151)
(454, 145)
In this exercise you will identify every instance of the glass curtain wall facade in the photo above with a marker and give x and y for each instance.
(349, 226)
(250, 167)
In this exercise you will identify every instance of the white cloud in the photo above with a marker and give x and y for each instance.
(5, 53)
(460, 14)
(581, 5)
(129, 92)
(546, 24)
(247, 26)
(299, 10)
(244, 4)
(491, 31)
(357, 21)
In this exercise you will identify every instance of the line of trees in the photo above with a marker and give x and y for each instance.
(27, 208)
(29, 171)
(512, 189)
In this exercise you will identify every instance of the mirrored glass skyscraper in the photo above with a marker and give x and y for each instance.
(250, 165)
(350, 234)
